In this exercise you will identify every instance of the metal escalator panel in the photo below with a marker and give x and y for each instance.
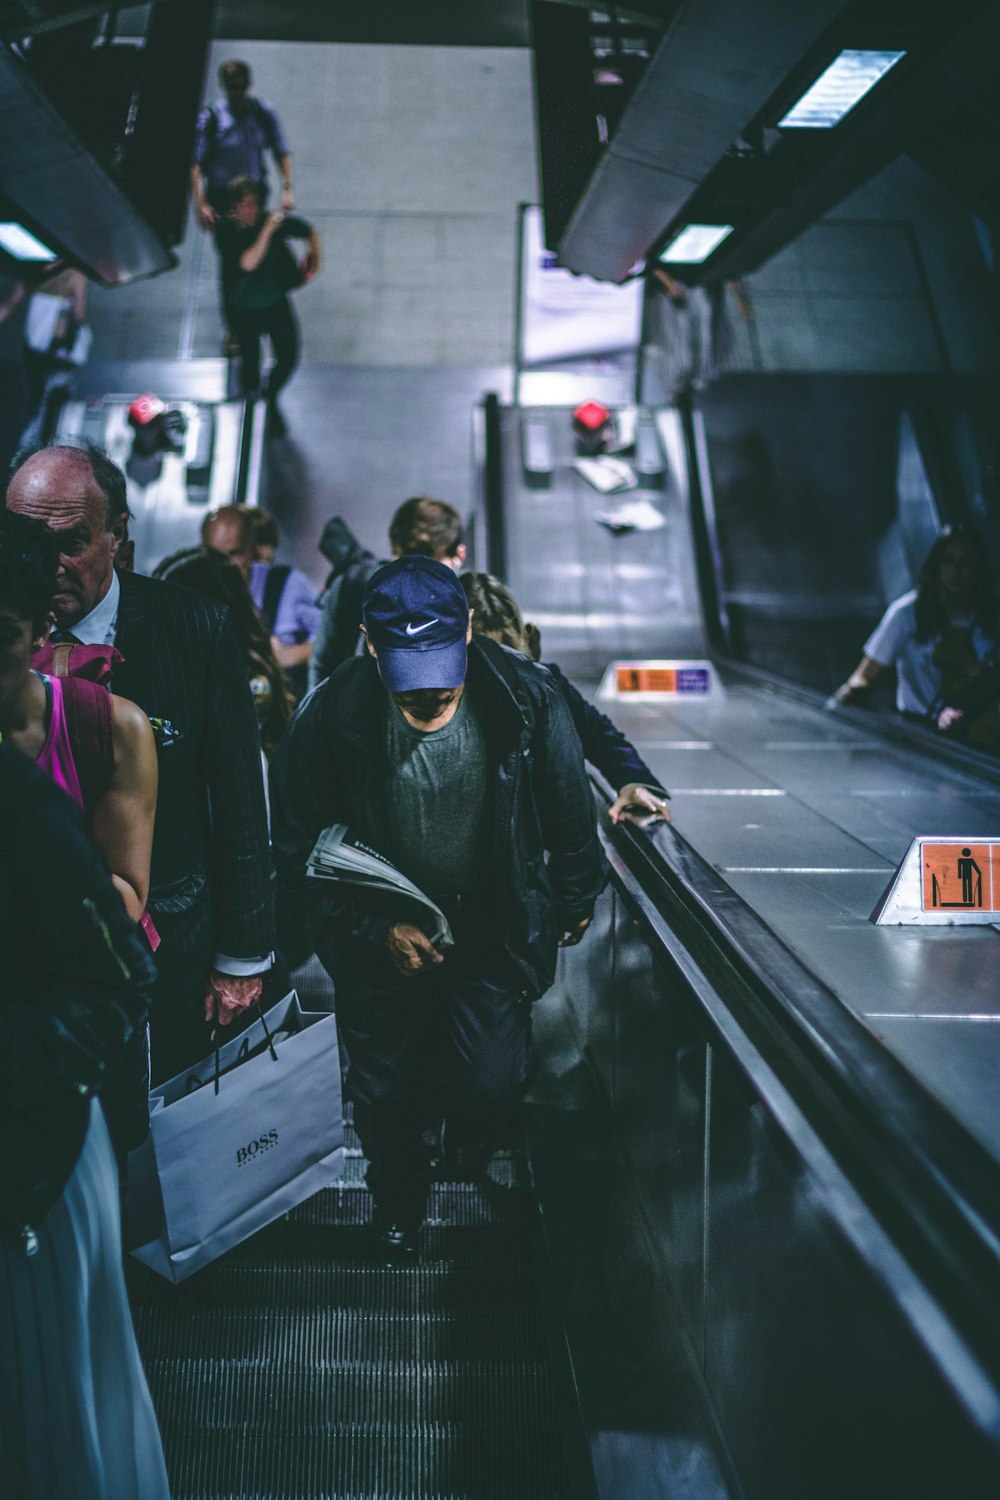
(307, 1370)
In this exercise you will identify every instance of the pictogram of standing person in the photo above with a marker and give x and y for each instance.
(972, 890)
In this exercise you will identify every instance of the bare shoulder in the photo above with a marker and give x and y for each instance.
(130, 727)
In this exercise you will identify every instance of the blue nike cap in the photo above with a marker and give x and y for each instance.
(417, 618)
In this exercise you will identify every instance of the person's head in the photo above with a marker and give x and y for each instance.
(428, 528)
(265, 533)
(494, 610)
(229, 530)
(245, 200)
(236, 80)
(207, 571)
(955, 581)
(29, 557)
(80, 495)
(418, 627)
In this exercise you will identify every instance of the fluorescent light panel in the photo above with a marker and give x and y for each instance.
(16, 240)
(835, 93)
(695, 243)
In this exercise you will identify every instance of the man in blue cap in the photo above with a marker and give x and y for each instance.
(458, 761)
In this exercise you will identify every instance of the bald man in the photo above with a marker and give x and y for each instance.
(210, 886)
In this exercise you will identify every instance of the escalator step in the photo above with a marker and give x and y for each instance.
(298, 1367)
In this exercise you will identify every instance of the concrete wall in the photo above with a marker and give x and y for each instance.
(411, 161)
(894, 280)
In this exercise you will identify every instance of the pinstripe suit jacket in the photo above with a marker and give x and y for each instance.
(183, 664)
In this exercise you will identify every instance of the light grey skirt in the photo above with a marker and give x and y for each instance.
(76, 1419)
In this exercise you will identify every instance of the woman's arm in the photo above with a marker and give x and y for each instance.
(122, 824)
(14, 297)
(313, 257)
(855, 689)
(79, 295)
(252, 257)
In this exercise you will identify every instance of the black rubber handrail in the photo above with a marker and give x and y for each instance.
(931, 1185)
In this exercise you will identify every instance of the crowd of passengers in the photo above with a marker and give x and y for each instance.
(141, 721)
(171, 748)
(154, 773)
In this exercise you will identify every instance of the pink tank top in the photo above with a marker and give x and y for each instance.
(56, 756)
(56, 759)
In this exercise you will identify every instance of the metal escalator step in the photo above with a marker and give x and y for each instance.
(274, 1339)
(417, 1289)
(300, 1369)
(211, 1395)
(369, 1461)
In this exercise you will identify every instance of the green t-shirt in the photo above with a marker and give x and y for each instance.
(438, 801)
(277, 272)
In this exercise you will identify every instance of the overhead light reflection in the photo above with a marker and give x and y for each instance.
(695, 243)
(835, 93)
(22, 245)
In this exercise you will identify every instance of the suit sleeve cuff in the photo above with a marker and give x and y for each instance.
(242, 968)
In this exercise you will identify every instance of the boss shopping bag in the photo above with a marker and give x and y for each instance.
(238, 1141)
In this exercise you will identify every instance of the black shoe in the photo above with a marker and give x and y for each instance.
(393, 1243)
(464, 1163)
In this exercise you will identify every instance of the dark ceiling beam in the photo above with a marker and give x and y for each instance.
(716, 65)
(932, 90)
(61, 190)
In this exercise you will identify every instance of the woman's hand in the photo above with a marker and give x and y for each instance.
(639, 799)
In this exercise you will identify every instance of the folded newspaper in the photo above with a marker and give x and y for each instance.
(341, 855)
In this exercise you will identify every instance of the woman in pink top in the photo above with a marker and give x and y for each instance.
(33, 715)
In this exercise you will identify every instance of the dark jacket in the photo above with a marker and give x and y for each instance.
(330, 765)
(604, 745)
(75, 987)
(340, 626)
(184, 667)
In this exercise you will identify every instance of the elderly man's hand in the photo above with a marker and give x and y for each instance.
(207, 216)
(226, 995)
(410, 950)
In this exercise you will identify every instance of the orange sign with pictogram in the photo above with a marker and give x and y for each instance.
(960, 877)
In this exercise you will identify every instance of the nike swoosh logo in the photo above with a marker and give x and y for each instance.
(416, 629)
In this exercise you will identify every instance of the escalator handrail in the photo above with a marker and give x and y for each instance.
(934, 1188)
(925, 742)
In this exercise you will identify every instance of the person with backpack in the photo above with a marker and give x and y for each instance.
(283, 597)
(234, 137)
(258, 272)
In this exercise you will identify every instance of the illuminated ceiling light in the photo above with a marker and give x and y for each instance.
(695, 243)
(17, 242)
(835, 93)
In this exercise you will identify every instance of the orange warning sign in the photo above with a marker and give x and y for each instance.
(647, 680)
(960, 877)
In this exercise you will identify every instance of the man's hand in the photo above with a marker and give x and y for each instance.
(639, 799)
(309, 267)
(287, 199)
(572, 937)
(207, 217)
(410, 950)
(226, 995)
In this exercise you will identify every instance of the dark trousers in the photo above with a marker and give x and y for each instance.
(249, 326)
(451, 1043)
(179, 1033)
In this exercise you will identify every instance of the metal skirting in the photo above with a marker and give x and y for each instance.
(298, 1369)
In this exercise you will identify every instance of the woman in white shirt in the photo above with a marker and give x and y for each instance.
(939, 635)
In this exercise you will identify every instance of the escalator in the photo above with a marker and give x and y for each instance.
(785, 1176)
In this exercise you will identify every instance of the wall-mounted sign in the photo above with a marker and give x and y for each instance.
(944, 882)
(657, 681)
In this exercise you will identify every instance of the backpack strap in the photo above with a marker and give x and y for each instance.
(88, 723)
(274, 587)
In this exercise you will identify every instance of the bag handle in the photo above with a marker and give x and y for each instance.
(217, 1047)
